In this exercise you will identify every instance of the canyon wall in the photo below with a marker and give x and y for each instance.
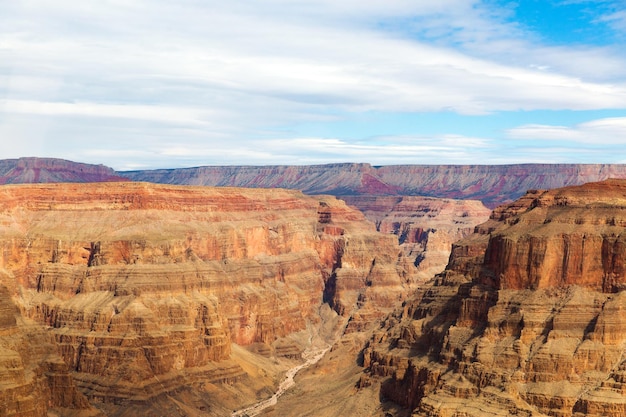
(426, 227)
(43, 170)
(139, 291)
(491, 184)
(528, 318)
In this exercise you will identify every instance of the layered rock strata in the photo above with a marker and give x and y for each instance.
(491, 184)
(143, 288)
(527, 319)
(43, 170)
(426, 227)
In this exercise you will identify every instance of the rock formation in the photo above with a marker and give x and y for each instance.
(43, 170)
(136, 295)
(426, 227)
(528, 319)
(491, 184)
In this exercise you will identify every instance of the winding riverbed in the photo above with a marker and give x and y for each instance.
(311, 357)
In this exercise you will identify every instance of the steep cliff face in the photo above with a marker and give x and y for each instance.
(32, 376)
(527, 319)
(42, 170)
(426, 227)
(491, 184)
(143, 288)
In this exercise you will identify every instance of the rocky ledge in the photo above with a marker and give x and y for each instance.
(528, 319)
(124, 296)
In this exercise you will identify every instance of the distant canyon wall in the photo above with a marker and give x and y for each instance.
(491, 184)
(426, 227)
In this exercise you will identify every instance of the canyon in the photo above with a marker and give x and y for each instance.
(126, 298)
(527, 319)
(122, 298)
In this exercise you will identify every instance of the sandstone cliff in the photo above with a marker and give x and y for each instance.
(528, 318)
(426, 227)
(142, 293)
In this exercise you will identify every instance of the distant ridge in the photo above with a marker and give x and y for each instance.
(43, 170)
(492, 184)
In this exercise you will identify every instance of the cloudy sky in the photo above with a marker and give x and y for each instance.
(137, 84)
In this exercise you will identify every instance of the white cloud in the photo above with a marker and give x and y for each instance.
(157, 113)
(616, 19)
(214, 77)
(610, 131)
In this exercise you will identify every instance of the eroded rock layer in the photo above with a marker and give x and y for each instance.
(491, 184)
(38, 170)
(528, 318)
(426, 227)
(139, 290)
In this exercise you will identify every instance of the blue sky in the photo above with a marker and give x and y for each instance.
(137, 84)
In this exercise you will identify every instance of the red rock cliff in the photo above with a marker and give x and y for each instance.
(528, 318)
(142, 288)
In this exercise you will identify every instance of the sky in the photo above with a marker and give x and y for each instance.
(143, 84)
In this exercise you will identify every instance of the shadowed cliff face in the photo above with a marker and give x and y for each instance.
(142, 289)
(528, 318)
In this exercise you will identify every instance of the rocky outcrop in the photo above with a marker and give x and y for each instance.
(426, 227)
(43, 170)
(142, 289)
(491, 184)
(32, 376)
(527, 319)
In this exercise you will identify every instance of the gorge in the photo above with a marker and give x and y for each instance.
(122, 298)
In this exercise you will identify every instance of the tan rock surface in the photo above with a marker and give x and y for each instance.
(528, 319)
(142, 289)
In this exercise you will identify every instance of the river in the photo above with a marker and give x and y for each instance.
(311, 357)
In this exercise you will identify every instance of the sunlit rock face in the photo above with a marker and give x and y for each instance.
(118, 292)
(426, 227)
(528, 318)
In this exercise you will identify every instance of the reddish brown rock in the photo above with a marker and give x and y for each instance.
(426, 227)
(491, 184)
(526, 320)
(33, 378)
(37, 170)
(143, 288)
